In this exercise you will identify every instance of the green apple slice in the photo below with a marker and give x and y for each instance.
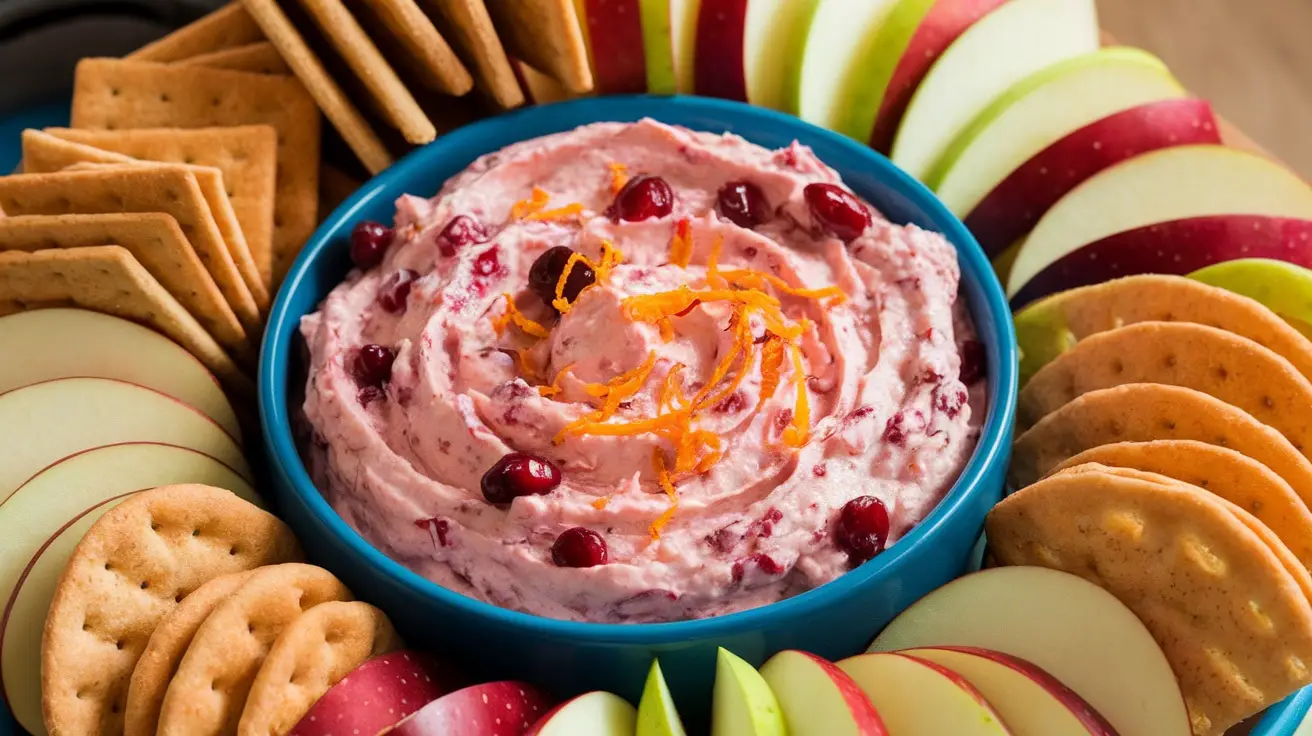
(1040, 110)
(1015, 40)
(772, 43)
(880, 61)
(658, 46)
(838, 34)
(657, 715)
(744, 705)
(1284, 288)
(683, 42)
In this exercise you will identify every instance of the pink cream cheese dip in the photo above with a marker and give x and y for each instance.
(891, 370)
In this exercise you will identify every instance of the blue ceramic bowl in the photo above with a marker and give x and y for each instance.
(835, 620)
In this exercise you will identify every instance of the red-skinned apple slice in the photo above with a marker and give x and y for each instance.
(613, 31)
(916, 697)
(1171, 184)
(378, 694)
(719, 70)
(819, 699)
(1030, 701)
(1011, 210)
(1178, 248)
(506, 708)
(595, 713)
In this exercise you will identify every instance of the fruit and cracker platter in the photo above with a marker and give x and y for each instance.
(633, 374)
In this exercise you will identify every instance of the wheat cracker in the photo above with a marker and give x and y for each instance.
(224, 28)
(468, 25)
(547, 35)
(423, 50)
(260, 57)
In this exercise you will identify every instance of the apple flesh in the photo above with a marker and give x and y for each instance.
(683, 42)
(378, 694)
(1282, 287)
(1030, 701)
(658, 46)
(1074, 630)
(773, 34)
(657, 715)
(505, 708)
(916, 697)
(819, 699)
(613, 31)
(1007, 213)
(596, 714)
(743, 705)
(1018, 38)
(829, 70)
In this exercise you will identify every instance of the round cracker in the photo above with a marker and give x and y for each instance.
(1233, 622)
(1241, 480)
(313, 653)
(209, 690)
(1234, 369)
(133, 567)
(158, 662)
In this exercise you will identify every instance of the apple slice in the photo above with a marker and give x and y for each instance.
(916, 697)
(378, 694)
(1015, 40)
(1282, 287)
(825, 78)
(1040, 110)
(1074, 630)
(772, 42)
(657, 715)
(719, 56)
(1171, 184)
(744, 705)
(504, 708)
(684, 15)
(1006, 214)
(658, 46)
(595, 714)
(1176, 248)
(1030, 701)
(818, 699)
(64, 343)
(613, 32)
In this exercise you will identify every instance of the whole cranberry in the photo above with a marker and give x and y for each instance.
(369, 241)
(462, 230)
(642, 198)
(546, 271)
(519, 474)
(373, 365)
(579, 547)
(394, 292)
(862, 528)
(743, 203)
(837, 210)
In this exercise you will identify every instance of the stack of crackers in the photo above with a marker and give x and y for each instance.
(1166, 455)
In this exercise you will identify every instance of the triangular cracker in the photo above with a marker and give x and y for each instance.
(468, 26)
(547, 35)
(261, 57)
(226, 27)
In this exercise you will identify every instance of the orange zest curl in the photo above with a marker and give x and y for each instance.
(681, 244)
(757, 279)
(560, 214)
(512, 314)
(772, 359)
(562, 304)
(601, 503)
(619, 176)
(610, 258)
(667, 485)
(524, 365)
(713, 277)
(672, 390)
(536, 202)
(554, 388)
(799, 432)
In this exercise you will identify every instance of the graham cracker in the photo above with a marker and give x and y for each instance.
(225, 28)
(314, 652)
(209, 691)
(246, 155)
(428, 55)
(164, 650)
(547, 35)
(260, 57)
(133, 567)
(166, 188)
(108, 279)
(467, 24)
(111, 94)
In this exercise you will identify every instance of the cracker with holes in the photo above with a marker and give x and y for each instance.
(224, 28)
(114, 94)
(311, 655)
(209, 690)
(1048, 328)
(1225, 473)
(548, 35)
(1233, 622)
(159, 661)
(134, 566)
(1232, 368)
(468, 26)
(261, 57)
(1141, 412)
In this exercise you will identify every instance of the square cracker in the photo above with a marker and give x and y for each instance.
(115, 94)
(261, 57)
(430, 56)
(225, 28)
(547, 35)
(108, 279)
(246, 155)
(469, 27)
(44, 153)
(166, 188)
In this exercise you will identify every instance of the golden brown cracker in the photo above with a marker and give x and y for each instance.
(132, 568)
(164, 650)
(1234, 624)
(467, 24)
(540, 88)
(428, 54)
(260, 57)
(312, 654)
(1240, 480)
(209, 690)
(112, 94)
(547, 35)
(224, 28)
(1222, 364)
(108, 279)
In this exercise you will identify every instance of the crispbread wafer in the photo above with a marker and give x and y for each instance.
(1233, 622)
(115, 94)
(1222, 364)
(467, 25)
(108, 279)
(260, 57)
(1241, 480)
(545, 34)
(429, 56)
(130, 570)
(312, 654)
(209, 690)
(164, 650)
(246, 155)
(224, 28)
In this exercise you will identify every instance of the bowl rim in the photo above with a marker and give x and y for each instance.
(992, 314)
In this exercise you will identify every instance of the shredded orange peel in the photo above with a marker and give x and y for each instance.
(619, 176)
(512, 314)
(610, 258)
(681, 243)
(536, 202)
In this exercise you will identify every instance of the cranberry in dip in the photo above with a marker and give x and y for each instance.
(636, 373)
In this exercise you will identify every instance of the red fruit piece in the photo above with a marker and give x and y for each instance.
(974, 361)
(369, 242)
(862, 528)
(394, 292)
(837, 210)
(373, 365)
(579, 547)
(546, 271)
(519, 474)
(378, 694)
(461, 231)
(642, 198)
(743, 203)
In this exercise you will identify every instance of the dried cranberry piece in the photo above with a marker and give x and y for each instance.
(949, 400)
(488, 263)
(373, 365)
(862, 528)
(369, 242)
(546, 271)
(765, 563)
(519, 474)
(837, 210)
(461, 231)
(974, 361)
(642, 198)
(579, 547)
(394, 292)
(743, 203)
